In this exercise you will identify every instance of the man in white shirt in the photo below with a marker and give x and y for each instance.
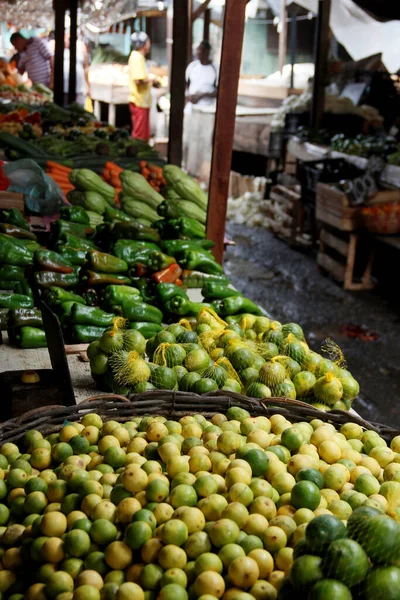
(201, 79)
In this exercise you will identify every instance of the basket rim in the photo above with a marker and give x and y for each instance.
(175, 404)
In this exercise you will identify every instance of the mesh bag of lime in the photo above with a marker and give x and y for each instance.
(246, 354)
(234, 507)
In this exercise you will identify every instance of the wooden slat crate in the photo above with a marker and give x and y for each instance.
(12, 200)
(337, 255)
(287, 209)
(333, 208)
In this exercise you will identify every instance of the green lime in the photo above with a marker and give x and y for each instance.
(83, 524)
(323, 530)
(258, 460)
(137, 534)
(308, 474)
(330, 589)
(383, 582)
(306, 570)
(79, 444)
(346, 561)
(305, 494)
(204, 385)
(103, 532)
(77, 543)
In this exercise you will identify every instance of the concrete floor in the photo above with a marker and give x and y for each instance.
(289, 286)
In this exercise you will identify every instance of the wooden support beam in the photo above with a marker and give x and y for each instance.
(283, 36)
(231, 56)
(321, 52)
(190, 32)
(59, 33)
(293, 40)
(206, 26)
(180, 43)
(73, 13)
(199, 11)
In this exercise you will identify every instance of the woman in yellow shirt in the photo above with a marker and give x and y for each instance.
(140, 83)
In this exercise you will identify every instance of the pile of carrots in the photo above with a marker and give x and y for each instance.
(111, 174)
(60, 174)
(153, 174)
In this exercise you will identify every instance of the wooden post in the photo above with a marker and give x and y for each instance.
(59, 33)
(207, 21)
(178, 84)
(283, 36)
(190, 32)
(231, 56)
(293, 41)
(321, 52)
(73, 13)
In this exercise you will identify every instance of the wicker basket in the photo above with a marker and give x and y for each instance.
(174, 405)
(382, 222)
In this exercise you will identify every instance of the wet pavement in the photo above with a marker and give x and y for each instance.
(287, 283)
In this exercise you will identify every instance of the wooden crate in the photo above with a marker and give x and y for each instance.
(333, 208)
(337, 256)
(12, 200)
(286, 205)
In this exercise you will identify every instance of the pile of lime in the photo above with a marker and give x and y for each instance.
(334, 561)
(157, 509)
(246, 354)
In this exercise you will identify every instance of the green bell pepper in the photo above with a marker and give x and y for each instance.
(48, 279)
(17, 232)
(146, 288)
(134, 231)
(237, 304)
(14, 253)
(61, 227)
(8, 285)
(92, 278)
(184, 307)
(134, 257)
(91, 297)
(196, 279)
(200, 261)
(57, 295)
(64, 309)
(106, 263)
(11, 273)
(148, 330)
(113, 214)
(90, 315)
(75, 214)
(48, 260)
(73, 255)
(23, 287)
(181, 227)
(31, 337)
(15, 217)
(84, 334)
(176, 247)
(167, 291)
(117, 294)
(217, 291)
(159, 261)
(18, 317)
(74, 241)
(140, 311)
(9, 300)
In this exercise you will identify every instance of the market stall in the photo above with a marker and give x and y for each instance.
(225, 461)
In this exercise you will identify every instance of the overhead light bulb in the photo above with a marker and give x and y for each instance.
(98, 4)
(160, 5)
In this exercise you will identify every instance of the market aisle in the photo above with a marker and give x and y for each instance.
(289, 286)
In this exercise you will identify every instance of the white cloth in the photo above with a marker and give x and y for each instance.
(201, 79)
(361, 34)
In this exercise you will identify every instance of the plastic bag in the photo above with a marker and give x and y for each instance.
(41, 194)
